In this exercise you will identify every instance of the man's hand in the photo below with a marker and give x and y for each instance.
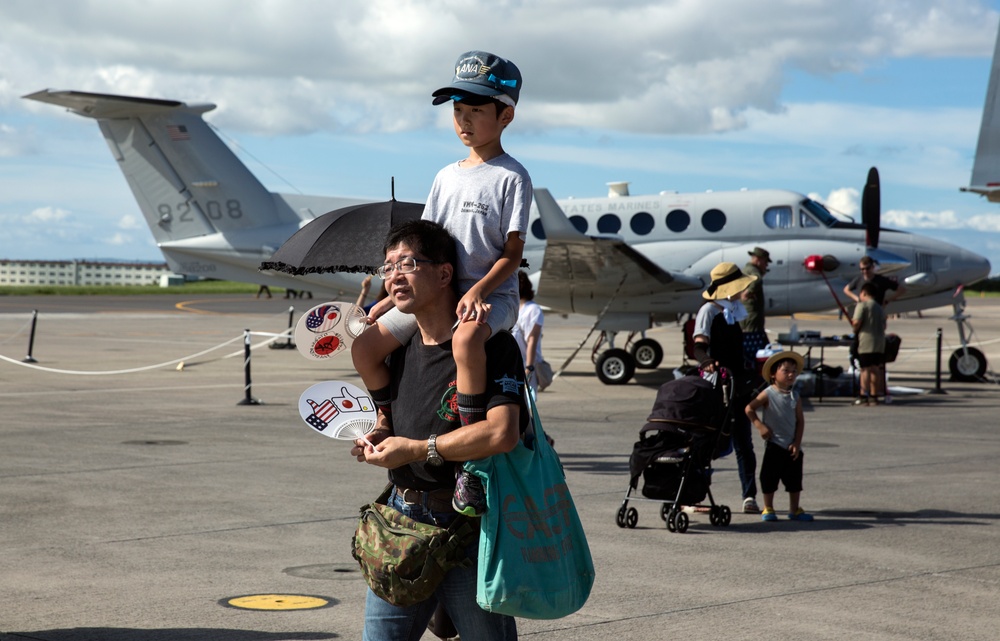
(376, 436)
(395, 451)
(794, 450)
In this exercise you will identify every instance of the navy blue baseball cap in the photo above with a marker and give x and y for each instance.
(482, 74)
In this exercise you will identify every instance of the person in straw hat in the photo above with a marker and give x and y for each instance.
(780, 423)
(718, 342)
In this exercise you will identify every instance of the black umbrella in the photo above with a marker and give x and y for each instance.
(349, 239)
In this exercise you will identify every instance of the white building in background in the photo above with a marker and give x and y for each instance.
(79, 272)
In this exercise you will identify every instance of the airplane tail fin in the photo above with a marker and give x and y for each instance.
(986, 167)
(187, 182)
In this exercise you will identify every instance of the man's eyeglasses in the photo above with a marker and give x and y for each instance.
(406, 265)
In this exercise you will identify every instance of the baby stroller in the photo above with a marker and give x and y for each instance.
(689, 427)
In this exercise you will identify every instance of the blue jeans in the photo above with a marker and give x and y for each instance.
(457, 592)
(746, 460)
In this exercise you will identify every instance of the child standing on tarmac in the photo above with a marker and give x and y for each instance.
(780, 424)
(483, 200)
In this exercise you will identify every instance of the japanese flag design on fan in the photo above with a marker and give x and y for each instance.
(328, 329)
(339, 410)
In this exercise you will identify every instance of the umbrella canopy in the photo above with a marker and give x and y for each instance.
(349, 239)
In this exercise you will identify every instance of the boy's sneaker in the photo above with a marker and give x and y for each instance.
(470, 498)
(800, 515)
(768, 515)
(750, 506)
(861, 401)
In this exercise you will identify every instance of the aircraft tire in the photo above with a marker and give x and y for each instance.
(615, 367)
(647, 353)
(967, 368)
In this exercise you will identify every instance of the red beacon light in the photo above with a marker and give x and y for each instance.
(818, 264)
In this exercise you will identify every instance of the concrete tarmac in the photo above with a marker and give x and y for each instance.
(136, 501)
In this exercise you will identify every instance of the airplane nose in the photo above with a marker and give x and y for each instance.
(969, 267)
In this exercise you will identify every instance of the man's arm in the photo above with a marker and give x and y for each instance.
(497, 434)
(848, 291)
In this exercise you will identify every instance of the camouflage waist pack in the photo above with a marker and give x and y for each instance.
(403, 560)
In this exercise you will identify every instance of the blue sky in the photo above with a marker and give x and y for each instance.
(333, 99)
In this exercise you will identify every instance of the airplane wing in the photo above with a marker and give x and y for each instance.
(580, 271)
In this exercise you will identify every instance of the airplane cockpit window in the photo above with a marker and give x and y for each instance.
(678, 220)
(580, 223)
(713, 220)
(778, 217)
(609, 224)
(805, 220)
(819, 212)
(642, 223)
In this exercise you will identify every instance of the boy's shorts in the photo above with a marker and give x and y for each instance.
(779, 466)
(502, 317)
(872, 359)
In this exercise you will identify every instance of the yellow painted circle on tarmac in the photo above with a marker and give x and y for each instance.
(278, 602)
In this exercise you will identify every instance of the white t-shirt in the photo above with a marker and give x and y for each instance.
(529, 316)
(481, 205)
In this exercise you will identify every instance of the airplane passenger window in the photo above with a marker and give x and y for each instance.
(537, 230)
(713, 220)
(678, 220)
(580, 223)
(642, 223)
(805, 220)
(778, 217)
(609, 224)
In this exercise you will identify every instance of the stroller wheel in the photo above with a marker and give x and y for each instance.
(620, 517)
(681, 522)
(725, 515)
(713, 516)
(663, 511)
(672, 521)
(631, 517)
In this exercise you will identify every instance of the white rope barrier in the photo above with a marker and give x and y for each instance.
(272, 337)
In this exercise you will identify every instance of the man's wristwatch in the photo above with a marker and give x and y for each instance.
(433, 458)
(530, 368)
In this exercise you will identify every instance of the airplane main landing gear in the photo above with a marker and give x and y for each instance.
(617, 366)
(647, 353)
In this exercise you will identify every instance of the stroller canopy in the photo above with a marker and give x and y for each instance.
(690, 401)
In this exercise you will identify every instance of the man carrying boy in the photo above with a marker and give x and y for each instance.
(869, 325)
(483, 201)
(419, 270)
(780, 424)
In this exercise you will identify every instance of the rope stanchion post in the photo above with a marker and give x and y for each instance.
(937, 369)
(31, 338)
(288, 344)
(248, 399)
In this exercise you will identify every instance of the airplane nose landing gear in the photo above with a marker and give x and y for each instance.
(967, 364)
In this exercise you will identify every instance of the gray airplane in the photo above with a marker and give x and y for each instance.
(632, 261)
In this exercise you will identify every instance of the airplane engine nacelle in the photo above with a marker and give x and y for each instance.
(819, 264)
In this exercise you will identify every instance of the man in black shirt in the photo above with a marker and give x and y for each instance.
(882, 283)
(427, 441)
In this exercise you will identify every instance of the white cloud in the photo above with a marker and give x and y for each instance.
(845, 201)
(363, 65)
(129, 222)
(47, 215)
(119, 239)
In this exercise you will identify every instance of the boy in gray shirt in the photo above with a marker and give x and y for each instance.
(483, 200)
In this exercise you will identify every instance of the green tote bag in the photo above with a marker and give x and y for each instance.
(534, 560)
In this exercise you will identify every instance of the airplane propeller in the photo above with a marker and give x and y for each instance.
(871, 209)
